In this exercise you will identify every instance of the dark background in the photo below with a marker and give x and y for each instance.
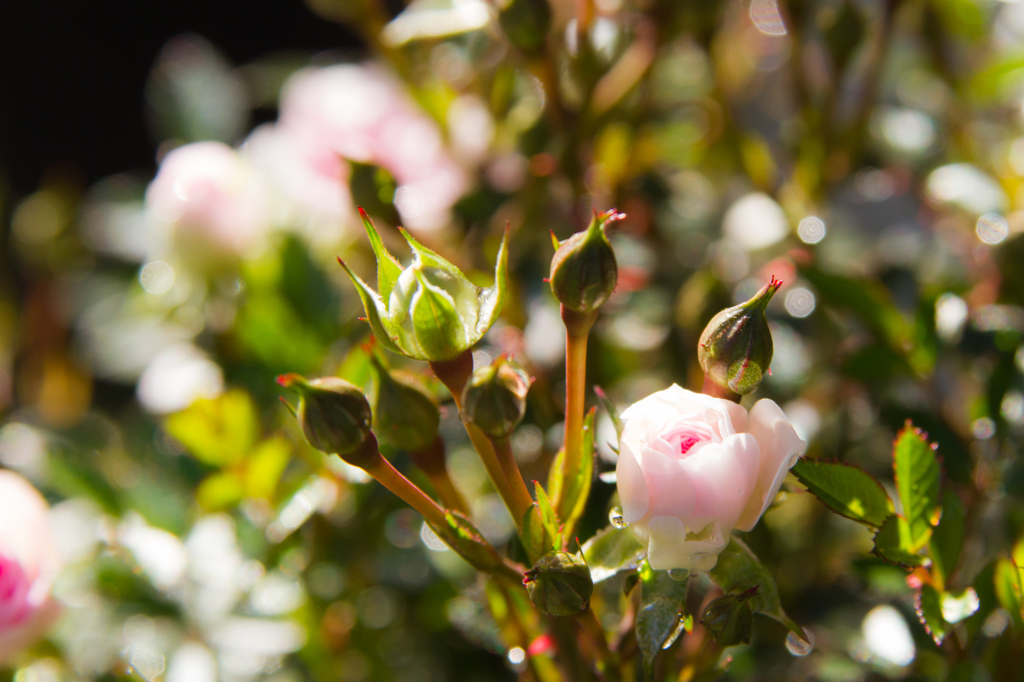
(72, 73)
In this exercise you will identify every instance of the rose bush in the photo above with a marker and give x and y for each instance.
(28, 564)
(692, 468)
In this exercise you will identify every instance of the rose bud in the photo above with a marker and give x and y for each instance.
(334, 415)
(404, 416)
(692, 468)
(729, 618)
(559, 584)
(583, 270)
(735, 349)
(28, 565)
(494, 399)
(429, 310)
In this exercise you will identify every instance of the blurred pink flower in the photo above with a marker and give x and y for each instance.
(28, 564)
(362, 113)
(214, 202)
(692, 468)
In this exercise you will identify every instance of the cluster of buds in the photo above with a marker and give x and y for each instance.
(429, 310)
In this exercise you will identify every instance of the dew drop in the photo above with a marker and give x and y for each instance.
(798, 646)
(679, 574)
(616, 518)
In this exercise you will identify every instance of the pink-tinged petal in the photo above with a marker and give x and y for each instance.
(724, 476)
(673, 545)
(669, 486)
(14, 640)
(781, 447)
(632, 488)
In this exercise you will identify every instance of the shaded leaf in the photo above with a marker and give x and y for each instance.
(729, 618)
(917, 480)
(1008, 580)
(661, 617)
(948, 537)
(846, 490)
(738, 570)
(928, 604)
(610, 551)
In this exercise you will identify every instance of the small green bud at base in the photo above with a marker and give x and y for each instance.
(334, 415)
(559, 584)
(730, 618)
(494, 398)
(583, 270)
(404, 416)
(735, 349)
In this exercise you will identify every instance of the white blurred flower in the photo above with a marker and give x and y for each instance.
(887, 636)
(755, 221)
(213, 202)
(160, 554)
(967, 188)
(176, 377)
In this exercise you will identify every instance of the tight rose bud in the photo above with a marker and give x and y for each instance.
(495, 397)
(334, 415)
(429, 310)
(28, 565)
(735, 349)
(583, 270)
(559, 584)
(404, 416)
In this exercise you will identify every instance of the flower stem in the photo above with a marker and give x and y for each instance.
(521, 495)
(454, 374)
(577, 330)
(392, 479)
(608, 663)
(431, 461)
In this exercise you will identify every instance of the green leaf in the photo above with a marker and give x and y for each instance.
(463, 537)
(1008, 579)
(660, 619)
(738, 570)
(891, 545)
(264, 467)
(917, 480)
(388, 267)
(541, 533)
(376, 313)
(220, 490)
(492, 298)
(928, 604)
(218, 432)
(948, 537)
(729, 618)
(846, 490)
(610, 551)
(570, 490)
(548, 516)
(612, 411)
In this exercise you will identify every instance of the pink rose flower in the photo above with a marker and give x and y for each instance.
(363, 113)
(214, 202)
(28, 564)
(692, 468)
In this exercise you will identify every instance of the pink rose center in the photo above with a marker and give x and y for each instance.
(14, 587)
(687, 443)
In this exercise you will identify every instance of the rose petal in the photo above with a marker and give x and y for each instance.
(671, 547)
(781, 447)
(724, 476)
(632, 488)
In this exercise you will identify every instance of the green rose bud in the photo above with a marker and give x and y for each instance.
(583, 270)
(334, 415)
(494, 398)
(559, 584)
(735, 349)
(404, 416)
(429, 310)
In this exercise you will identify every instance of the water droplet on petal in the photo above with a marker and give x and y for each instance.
(679, 574)
(798, 646)
(616, 518)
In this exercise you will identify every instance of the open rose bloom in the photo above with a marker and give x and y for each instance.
(692, 468)
(28, 563)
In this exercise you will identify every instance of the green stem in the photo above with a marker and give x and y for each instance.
(454, 374)
(431, 461)
(507, 460)
(577, 330)
(607, 662)
(392, 479)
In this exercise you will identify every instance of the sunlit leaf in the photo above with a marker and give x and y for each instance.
(948, 537)
(217, 432)
(917, 480)
(610, 551)
(890, 546)
(846, 490)
(928, 604)
(570, 490)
